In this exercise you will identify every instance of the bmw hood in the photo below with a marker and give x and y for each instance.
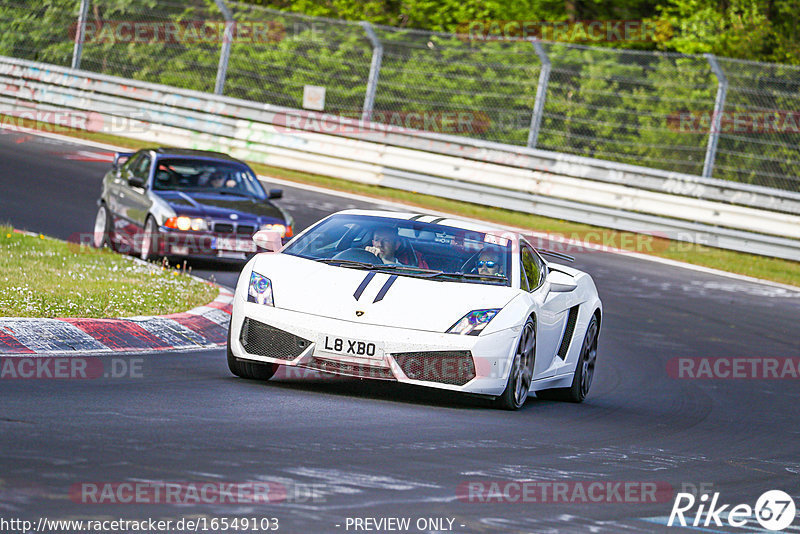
(203, 204)
(378, 298)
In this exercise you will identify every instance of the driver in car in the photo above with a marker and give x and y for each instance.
(488, 263)
(386, 245)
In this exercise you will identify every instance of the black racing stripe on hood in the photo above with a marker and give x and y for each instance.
(385, 288)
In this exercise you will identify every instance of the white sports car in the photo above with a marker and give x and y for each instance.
(425, 300)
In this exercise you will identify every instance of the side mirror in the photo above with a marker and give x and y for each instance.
(135, 181)
(561, 282)
(270, 240)
(275, 193)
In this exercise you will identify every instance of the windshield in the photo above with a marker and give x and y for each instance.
(218, 177)
(409, 248)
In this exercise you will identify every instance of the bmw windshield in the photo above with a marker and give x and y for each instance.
(206, 176)
(409, 248)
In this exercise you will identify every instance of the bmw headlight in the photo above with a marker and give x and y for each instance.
(260, 290)
(473, 323)
(184, 223)
(285, 230)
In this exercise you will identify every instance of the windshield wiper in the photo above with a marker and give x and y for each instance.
(472, 276)
(224, 192)
(348, 263)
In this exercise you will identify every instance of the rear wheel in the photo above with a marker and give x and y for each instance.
(251, 370)
(519, 379)
(102, 228)
(584, 371)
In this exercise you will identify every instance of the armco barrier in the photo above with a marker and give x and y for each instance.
(728, 215)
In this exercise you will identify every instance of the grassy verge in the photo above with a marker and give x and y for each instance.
(44, 277)
(778, 270)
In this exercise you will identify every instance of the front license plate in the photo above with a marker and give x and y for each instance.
(236, 245)
(350, 347)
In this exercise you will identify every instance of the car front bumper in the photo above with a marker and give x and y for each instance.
(435, 359)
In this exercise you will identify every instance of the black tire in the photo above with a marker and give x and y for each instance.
(521, 373)
(150, 240)
(250, 370)
(584, 371)
(102, 228)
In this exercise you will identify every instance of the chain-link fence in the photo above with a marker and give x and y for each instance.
(644, 108)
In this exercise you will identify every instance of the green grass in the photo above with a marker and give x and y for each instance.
(45, 277)
(778, 270)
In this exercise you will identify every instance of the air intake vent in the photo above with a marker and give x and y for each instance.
(223, 228)
(445, 367)
(351, 369)
(245, 229)
(265, 340)
(572, 318)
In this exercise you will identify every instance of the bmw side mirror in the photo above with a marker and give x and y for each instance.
(275, 193)
(269, 240)
(135, 181)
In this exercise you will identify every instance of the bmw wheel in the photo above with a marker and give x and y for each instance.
(102, 228)
(519, 379)
(150, 240)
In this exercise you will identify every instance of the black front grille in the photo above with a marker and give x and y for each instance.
(245, 229)
(351, 369)
(265, 340)
(446, 367)
(572, 318)
(223, 228)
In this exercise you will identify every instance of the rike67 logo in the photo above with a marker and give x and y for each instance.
(774, 510)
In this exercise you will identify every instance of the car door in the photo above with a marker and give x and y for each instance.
(118, 197)
(551, 315)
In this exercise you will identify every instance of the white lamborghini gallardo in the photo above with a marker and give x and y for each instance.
(425, 300)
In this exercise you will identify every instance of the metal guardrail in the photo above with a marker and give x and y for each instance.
(470, 170)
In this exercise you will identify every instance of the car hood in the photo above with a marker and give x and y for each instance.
(218, 206)
(408, 302)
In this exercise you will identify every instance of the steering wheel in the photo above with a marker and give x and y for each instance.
(358, 254)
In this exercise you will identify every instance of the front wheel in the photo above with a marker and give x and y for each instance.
(102, 228)
(584, 371)
(251, 370)
(519, 379)
(150, 240)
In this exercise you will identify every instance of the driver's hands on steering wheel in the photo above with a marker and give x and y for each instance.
(374, 250)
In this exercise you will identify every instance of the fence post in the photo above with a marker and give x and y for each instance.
(719, 107)
(80, 35)
(225, 51)
(541, 92)
(374, 71)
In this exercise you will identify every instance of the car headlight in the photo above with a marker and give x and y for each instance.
(473, 323)
(260, 290)
(286, 231)
(182, 222)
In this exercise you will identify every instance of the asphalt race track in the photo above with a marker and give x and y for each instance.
(335, 450)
